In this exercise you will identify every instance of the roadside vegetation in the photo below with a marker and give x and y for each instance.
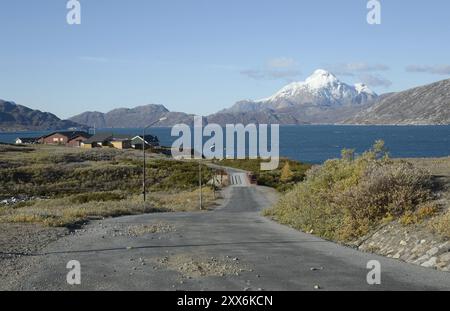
(344, 199)
(441, 225)
(284, 178)
(64, 186)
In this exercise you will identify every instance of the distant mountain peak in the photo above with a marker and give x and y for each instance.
(363, 88)
(140, 116)
(320, 98)
(321, 78)
(322, 88)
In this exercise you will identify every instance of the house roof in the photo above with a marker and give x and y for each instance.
(78, 136)
(69, 134)
(102, 137)
(148, 138)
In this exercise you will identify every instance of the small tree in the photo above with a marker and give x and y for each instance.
(348, 154)
(380, 150)
(286, 173)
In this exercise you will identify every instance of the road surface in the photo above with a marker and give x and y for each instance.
(230, 248)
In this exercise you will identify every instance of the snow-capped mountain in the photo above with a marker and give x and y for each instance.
(321, 98)
(321, 89)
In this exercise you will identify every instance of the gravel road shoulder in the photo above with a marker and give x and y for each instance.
(19, 243)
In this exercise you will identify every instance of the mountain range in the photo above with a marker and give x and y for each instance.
(15, 117)
(429, 104)
(321, 99)
(136, 117)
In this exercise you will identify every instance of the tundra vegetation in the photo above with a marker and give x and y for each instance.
(65, 186)
(345, 199)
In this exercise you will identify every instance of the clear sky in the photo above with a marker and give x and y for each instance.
(200, 56)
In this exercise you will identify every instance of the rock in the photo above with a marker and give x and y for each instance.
(433, 251)
(423, 258)
(317, 287)
(316, 269)
(442, 265)
(403, 243)
(430, 263)
(445, 258)
(444, 245)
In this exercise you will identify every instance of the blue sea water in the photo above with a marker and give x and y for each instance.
(316, 144)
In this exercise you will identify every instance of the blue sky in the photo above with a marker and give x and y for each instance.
(200, 56)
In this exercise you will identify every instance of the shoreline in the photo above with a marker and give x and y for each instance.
(281, 125)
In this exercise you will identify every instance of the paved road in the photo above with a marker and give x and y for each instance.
(253, 252)
(239, 180)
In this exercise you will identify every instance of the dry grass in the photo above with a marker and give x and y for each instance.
(187, 201)
(64, 212)
(80, 184)
(346, 198)
(441, 225)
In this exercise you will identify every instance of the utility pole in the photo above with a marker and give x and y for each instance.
(214, 184)
(144, 182)
(200, 183)
(144, 170)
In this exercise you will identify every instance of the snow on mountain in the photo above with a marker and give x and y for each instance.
(321, 98)
(362, 88)
(322, 88)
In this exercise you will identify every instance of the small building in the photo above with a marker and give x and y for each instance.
(27, 140)
(121, 142)
(65, 138)
(150, 141)
(108, 140)
(77, 140)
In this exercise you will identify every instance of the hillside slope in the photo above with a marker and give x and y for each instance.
(132, 117)
(15, 117)
(429, 104)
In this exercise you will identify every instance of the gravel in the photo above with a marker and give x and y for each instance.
(20, 245)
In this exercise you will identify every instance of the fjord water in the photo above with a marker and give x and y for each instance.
(317, 143)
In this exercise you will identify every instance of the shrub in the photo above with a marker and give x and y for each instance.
(97, 197)
(344, 198)
(441, 225)
(286, 173)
